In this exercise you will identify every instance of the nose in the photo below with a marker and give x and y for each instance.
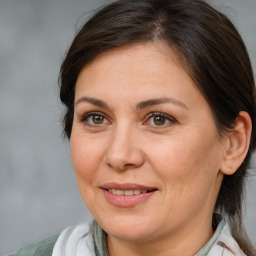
(123, 151)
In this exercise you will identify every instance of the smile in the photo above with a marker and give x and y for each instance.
(126, 192)
(127, 195)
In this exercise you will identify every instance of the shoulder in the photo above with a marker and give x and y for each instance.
(41, 248)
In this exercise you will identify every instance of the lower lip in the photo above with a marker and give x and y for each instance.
(127, 201)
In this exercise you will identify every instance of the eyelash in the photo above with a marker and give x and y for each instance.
(85, 118)
(171, 120)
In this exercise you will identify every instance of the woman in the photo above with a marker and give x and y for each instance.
(161, 116)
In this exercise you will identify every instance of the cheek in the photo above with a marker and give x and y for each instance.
(187, 162)
(86, 156)
(188, 176)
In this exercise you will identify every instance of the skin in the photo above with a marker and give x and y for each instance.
(182, 157)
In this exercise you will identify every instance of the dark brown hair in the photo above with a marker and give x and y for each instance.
(211, 51)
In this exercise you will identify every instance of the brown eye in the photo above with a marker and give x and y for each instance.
(94, 119)
(97, 119)
(159, 120)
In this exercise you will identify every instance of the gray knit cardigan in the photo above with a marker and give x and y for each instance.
(41, 248)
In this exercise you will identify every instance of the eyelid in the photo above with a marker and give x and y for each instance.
(153, 114)
(84, 117)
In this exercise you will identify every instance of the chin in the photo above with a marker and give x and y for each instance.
(130, 235)
(129, 229)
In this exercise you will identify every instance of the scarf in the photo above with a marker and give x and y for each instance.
(90, 240)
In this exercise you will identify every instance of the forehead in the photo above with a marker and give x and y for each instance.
(140, 66)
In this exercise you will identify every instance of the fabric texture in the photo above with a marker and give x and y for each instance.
(75, 241)
(221, 244)
(41, 248)
(90, 240)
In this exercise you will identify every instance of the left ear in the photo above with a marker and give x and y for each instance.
(237, 144)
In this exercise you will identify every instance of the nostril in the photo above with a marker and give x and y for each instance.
(120, 167)
(129, 165)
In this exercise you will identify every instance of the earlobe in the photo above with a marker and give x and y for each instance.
(237, 144)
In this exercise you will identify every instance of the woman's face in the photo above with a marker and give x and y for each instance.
(145, 148)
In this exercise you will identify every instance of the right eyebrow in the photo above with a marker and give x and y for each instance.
(93, 101)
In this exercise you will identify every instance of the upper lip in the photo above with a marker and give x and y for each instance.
(126, 186)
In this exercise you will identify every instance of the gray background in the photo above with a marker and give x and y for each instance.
(38, 193)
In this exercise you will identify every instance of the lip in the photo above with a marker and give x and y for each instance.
(127, 201)
(127, 186)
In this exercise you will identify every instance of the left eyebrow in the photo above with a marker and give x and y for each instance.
(157, 101)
